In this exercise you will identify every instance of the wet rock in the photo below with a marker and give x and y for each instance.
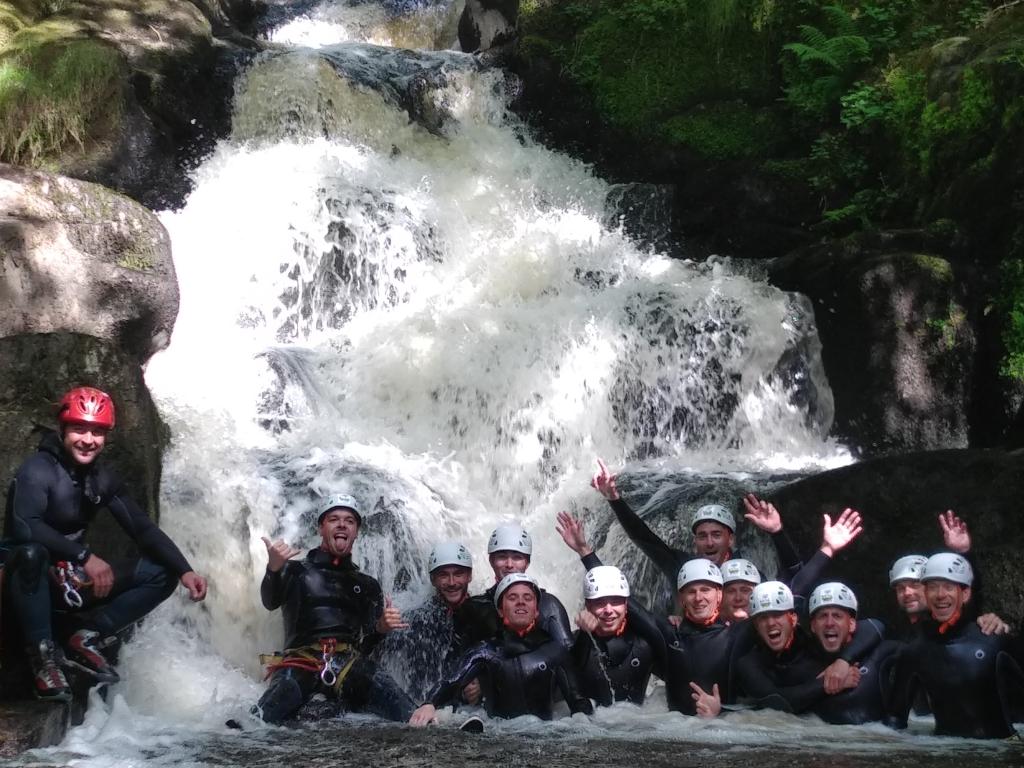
(486, 25)
(900, 498)
(643, 210)
(77, 257)
(898, 347)
(30, 724)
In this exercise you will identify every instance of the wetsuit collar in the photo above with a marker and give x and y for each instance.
(703, 622)
(322, 557)
(945, 626)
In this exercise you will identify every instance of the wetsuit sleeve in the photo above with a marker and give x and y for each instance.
(790, 561)
(29, 493)
(470, 665)
(272, 588)
(591, 561)
(904, 689)
(870, 633)
(374, 608)
(667, 560)
(808, 577)
(150, 539)
(556, 620)
(759, 686)
(567, 683)
(646, 626)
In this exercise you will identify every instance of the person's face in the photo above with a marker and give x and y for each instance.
(736, 600)
(713, 541)
(833, 627)
(775, 628)
(338, 531)
(83, 442)
(945, 598)
(610, 613)
(700, 600)
(452, 583)
(505, 561)
(519, 606)
(910, 595)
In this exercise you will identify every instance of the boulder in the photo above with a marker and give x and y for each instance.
(77, 257)
(900, 498)
(898, 346)
(486, 25)
(31, 724)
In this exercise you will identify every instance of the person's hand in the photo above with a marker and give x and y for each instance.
(572, 533)
(605, 483)
(587, 621)
(762, 513)
(472, 693)
(840, 533)
(852, 677)
(424, 715)
(278, 553)
(100, 574)
(391, 618)
(708, 704)
(835, 675)
(991, 624)
(675, 621)
(195, 584)
(955, 535)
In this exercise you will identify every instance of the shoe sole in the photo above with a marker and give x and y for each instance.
(99, 677)
(472, 725)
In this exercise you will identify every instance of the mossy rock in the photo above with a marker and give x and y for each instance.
(729, 131)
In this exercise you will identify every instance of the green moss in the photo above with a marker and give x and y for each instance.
(726, 131)
(936, 266)
(1010, 303)
(136, 261)
(52, 96)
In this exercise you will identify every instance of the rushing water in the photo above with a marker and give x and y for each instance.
(388, 289)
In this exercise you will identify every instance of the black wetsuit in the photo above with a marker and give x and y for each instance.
(324, 597)
(669, 559)
(553, 618)
(969, 678)
(789, 681)
(437, 637)
(50, 504)
(518, 676)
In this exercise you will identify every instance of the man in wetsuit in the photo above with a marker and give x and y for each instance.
(333, 616)
(837, 671)
(519, 669)
(713, 529)
(618, 644)
(441, 629)
(969, 676)
(509, 550)
(54, 497)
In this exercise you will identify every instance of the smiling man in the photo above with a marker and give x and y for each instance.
(967, 674)
(333, 615)
(55, 496)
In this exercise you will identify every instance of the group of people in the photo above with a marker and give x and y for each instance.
(799, 644)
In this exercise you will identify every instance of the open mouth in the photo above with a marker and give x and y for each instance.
(774, 634)
(831, 636)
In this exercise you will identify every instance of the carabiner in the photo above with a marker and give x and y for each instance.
(327, 675)
(71, 596)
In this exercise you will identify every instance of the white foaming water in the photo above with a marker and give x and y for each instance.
(442, 323)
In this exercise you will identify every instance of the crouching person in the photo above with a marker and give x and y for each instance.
(333, 615)
(520, 669)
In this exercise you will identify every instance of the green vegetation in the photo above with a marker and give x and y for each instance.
(895, 114)
(52, 96)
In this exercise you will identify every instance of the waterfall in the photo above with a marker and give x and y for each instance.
(389, 289)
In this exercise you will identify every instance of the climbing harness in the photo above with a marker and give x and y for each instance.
(327, 659)
(70, 582)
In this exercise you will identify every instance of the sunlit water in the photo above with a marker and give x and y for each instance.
(442, 318)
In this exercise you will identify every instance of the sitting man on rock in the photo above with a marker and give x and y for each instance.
(54, 497)
(333, 615)
(519, 669)
(970, 677)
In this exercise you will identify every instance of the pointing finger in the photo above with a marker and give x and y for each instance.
(604, 469)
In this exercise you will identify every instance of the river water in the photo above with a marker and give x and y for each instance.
(389, 289)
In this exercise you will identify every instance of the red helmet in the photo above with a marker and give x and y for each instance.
(86, 405)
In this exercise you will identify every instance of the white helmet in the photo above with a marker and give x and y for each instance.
(738, 569)
(449, 553)
(950, 567)
(700, 569)
(909, 568)
(508, 581)
(833, 593)
(339, 501)
(510, 538)
(770, 596)
(604, 581)
(714, 513)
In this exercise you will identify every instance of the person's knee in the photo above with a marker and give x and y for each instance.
(281, 700)
(27, 567)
